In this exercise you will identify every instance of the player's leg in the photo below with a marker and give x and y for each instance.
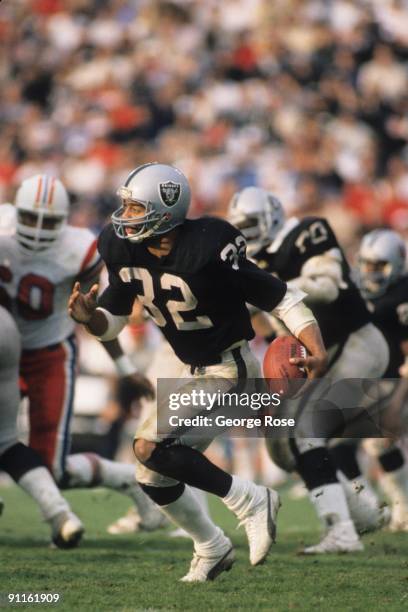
(165, 364)
(255, 506)
(314, 465)
(366, 510)
(50, 377)
(393, 480)
(87, 470)
(22, 463)
(213, 551)
(365, 354)
(27, 469)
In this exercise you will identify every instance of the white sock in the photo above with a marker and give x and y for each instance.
(83, 470)
(330, 503)
(88, 469)
(202, 499)
(363, 503)
(242, 496)
(187, 513)
(38, 483)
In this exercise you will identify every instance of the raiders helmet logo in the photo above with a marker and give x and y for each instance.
(169, 192)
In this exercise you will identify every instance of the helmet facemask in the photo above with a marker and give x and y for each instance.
(259, 217)
(42, 207)
(32, 232)
(381, 262)
(375, 277)
(143, 226)
(254, 230)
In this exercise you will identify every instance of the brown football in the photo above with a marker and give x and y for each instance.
(277, 369)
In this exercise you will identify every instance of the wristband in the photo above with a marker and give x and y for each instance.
(124, 366)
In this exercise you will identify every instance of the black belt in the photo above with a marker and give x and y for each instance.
(236, 353)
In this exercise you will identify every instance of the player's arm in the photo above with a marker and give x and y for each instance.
(262, 325)
(88, 278)
(321, 277)
(106, 326)
(300, 321)
(106, 316)
(141, 386)
(268, 293)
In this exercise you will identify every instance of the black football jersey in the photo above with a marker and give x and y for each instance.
(197, 294)
(314, 236)
(390, 315)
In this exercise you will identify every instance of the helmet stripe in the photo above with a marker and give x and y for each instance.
(39, 188)
(51, 193)
(46, 183)
(136, 171)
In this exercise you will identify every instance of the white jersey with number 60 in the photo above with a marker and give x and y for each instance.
(39, 283)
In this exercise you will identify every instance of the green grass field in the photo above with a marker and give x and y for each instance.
(141, 572)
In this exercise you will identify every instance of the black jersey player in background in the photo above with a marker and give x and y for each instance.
(384, 285)
(193, 278)
(305, 253)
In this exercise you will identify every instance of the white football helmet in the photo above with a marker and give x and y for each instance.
(164, 193)
(42, 208)
(381, 262)
(258, 214)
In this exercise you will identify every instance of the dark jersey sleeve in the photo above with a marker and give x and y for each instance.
(258, 287)
(117, 297)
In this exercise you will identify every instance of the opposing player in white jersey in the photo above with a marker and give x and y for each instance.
(39, 264)
(21, 462)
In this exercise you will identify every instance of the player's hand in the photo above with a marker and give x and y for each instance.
(139, 386)
(81, 306)
(315, 366)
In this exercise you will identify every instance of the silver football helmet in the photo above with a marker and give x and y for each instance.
(258, 214)
(163, 193)
(381, 262)
(42, 206)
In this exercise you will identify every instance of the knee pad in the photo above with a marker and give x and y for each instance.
(392, 459)
(316, 468)
(344, 457)
(20, 459)
(162, 496)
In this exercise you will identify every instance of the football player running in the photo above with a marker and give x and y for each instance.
(194, 279)
(306, 254)
(40, 261)
(384, 285)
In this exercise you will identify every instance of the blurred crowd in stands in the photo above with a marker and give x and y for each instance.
(306, 97)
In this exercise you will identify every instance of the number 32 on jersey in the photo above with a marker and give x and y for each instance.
(188, 303)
